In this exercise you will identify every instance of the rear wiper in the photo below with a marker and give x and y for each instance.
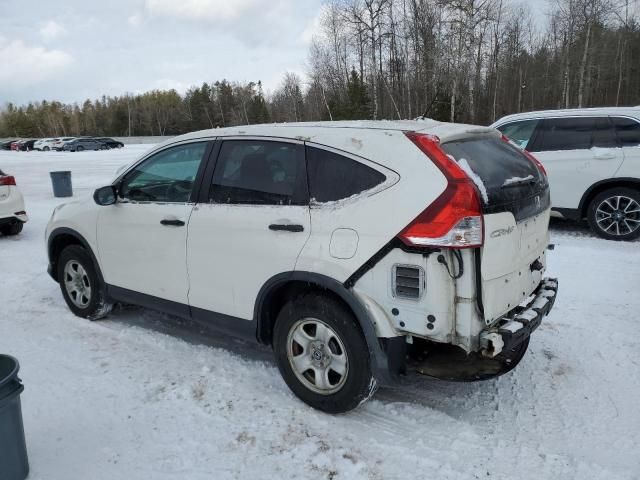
(517, 182)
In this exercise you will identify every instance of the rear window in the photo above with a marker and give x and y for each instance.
(334, 177)
(255, 172)
(627, 130)
(504, 172)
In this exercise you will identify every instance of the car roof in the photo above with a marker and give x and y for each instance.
(572, 112)
(307, 130)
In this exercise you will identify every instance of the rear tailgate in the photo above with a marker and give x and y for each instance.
(516, 206)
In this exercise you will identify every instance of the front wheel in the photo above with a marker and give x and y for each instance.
(46, 149)
(615, 214)
(322, 354)
(80, 284)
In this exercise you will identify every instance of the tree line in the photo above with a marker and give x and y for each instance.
(453, 60)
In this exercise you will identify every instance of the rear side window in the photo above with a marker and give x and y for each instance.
(335, 177)
(574, 133)
(627, 130)
(257, 172)
(519, 132)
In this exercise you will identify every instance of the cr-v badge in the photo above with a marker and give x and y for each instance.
(502, 231)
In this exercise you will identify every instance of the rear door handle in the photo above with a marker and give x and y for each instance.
(172, 222)
(286, 227)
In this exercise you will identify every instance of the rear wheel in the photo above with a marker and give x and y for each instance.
(13, 229)
(322, 354)
(615, 214)
(80, 284)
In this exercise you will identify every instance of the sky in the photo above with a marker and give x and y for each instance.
(70, 50)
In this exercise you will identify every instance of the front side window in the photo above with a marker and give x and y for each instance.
(258, 172)
(627, 130)
(519, 132)
(570, 133)
(166, 177)
(335, 177)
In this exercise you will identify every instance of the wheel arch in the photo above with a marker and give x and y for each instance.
(601, 186)
(59, 239)
(277, 290)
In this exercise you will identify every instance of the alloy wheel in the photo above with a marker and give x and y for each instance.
(618, 215)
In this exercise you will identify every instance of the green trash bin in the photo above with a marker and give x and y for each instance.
(61, 183)
(14, 464)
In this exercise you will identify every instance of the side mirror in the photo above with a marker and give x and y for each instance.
(105, 195)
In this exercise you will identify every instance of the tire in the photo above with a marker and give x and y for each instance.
(89, 303)
(615, 214)
(46, 149)
(79, 148)
(314, 318)
(13, 229)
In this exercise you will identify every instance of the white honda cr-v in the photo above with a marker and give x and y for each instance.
(592, 156)
(358, 250)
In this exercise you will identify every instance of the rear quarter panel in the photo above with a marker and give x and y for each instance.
(378, 218)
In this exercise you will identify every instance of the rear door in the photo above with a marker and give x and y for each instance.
(628, 133)
(516, 218)
(251, 223)
(576, 152)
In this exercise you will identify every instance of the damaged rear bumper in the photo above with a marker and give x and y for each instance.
(513, 329)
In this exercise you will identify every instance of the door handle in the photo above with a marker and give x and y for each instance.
(172, 222)
(286, 227)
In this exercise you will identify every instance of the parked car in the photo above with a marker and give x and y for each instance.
(593, 159)
(110, 142)
(12, 212)
(60, 142)
(80, 144)
(15, 145)
(26, 145)
(45, 144)
(6, 145)
(352, 248)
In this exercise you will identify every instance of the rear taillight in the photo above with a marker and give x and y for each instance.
(527, 154)
(454, 219)
(7, 180)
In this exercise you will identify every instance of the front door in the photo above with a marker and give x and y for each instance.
(251, 225)
(142, 238)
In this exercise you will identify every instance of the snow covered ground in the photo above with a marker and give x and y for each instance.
(144, 396)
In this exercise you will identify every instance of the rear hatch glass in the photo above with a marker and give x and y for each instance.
(508, 181)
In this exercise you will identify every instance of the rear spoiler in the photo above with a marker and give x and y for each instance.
(448, 132)
(471, 132)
